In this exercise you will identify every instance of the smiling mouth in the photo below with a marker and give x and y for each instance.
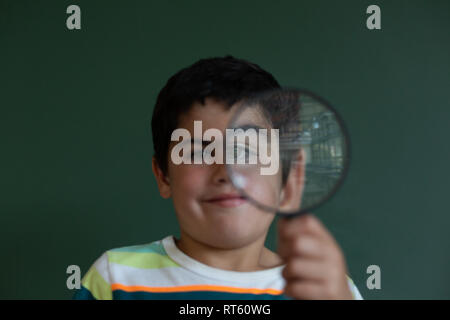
(227, 201)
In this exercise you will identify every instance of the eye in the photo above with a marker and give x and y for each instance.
(243, 152)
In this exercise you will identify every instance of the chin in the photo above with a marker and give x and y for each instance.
(229, 240)
(226, 230)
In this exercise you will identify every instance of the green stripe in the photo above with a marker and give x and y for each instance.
(98, 287)
(148, 260)
(153, 247)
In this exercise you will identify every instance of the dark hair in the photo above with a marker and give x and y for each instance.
(227, 79)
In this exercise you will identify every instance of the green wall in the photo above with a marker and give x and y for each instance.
(76, 147)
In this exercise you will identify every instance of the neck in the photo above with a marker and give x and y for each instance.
(252, 257)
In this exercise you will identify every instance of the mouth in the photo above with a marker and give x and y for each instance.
(227, 200)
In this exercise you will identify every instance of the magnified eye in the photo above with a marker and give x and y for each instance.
(242, 153)
(239, 152)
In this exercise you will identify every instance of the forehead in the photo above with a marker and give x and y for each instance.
(213, 114)
(216, 114)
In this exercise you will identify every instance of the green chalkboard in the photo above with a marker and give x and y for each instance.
(76, 147)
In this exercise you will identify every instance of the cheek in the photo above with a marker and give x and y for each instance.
(187, 181)
(188, 184)
(265, 189)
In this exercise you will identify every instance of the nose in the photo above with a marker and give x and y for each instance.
(220, 174)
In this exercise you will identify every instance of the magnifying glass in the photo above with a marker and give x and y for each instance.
(287, 151)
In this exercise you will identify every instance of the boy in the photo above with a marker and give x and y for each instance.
(220, 253)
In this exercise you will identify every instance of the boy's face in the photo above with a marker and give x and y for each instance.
(208, 207)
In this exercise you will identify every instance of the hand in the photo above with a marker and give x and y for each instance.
(315, 265)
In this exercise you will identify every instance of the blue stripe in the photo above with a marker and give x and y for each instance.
(83, 294)
(196, 295)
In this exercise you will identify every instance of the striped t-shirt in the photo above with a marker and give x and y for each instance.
(159, 270)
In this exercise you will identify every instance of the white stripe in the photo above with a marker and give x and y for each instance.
(354, 290)
(179, 276)
(102, 266)
(214, 273)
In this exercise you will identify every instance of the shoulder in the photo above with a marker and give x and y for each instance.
(119, 265)
(147, 255)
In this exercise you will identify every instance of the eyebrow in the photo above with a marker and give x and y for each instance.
(245, 127)
(204, 142)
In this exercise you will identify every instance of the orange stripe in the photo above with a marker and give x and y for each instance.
(118, 286)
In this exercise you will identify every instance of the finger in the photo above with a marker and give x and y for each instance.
(305, 224)
(304, 290)
(304, 269)
(303, 246)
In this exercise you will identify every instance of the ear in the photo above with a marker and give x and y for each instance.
(161, 180)
(291, 195)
